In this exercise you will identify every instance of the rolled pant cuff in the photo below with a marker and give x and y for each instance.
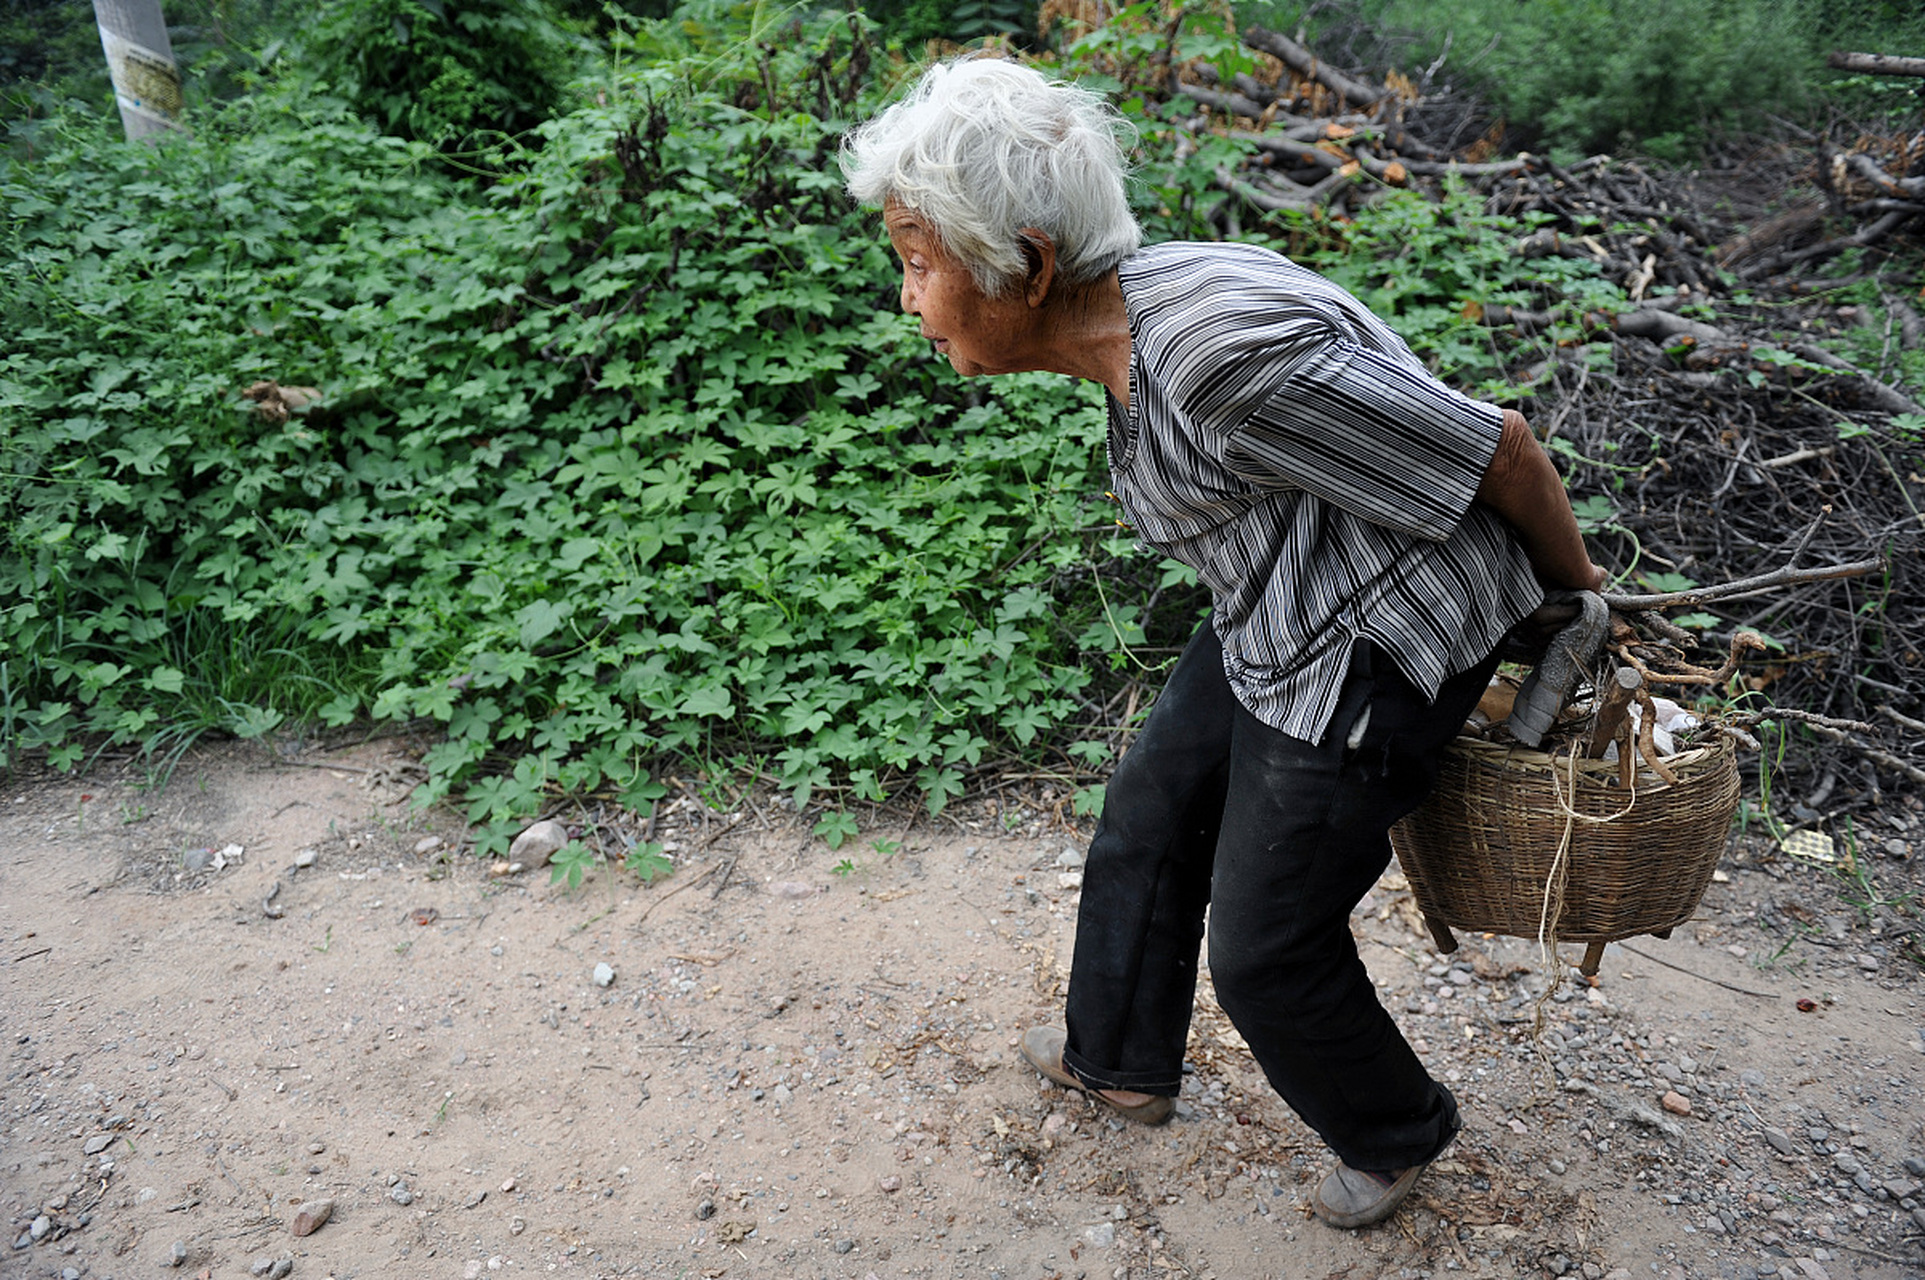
(1156, 1082)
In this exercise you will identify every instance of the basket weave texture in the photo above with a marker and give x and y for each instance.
(1480, 851)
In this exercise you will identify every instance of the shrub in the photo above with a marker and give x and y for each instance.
(444, 72)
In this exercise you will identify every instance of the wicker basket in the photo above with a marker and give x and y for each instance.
(1481, 851)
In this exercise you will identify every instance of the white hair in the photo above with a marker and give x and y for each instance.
(984, 148)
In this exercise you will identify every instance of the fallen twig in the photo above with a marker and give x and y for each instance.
(1716, 982)
(1742, 587)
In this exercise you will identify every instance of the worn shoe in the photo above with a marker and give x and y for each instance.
(1043, 1049)
(1351, 1198)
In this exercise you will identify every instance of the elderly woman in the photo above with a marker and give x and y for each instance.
(1368, 536)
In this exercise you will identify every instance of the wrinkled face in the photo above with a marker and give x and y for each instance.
(979, 334)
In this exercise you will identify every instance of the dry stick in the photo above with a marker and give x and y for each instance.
(1743, 586)
(1616, 704)
(686, 884)
(1878, 64)
(1307, 64)
(1647, 738)
(1916, 726)
(1743, 991)
(1762, 714)
(1871, 753)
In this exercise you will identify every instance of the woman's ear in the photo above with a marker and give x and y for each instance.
(1039, 265)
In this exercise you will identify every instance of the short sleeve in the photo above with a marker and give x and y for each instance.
(1374, 435)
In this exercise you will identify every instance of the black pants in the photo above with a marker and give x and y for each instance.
(1279, 839)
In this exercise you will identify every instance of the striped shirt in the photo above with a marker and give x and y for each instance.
(1285, 444)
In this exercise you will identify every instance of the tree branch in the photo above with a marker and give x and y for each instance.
(1742, 587)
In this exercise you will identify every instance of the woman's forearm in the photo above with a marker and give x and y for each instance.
(1522, 486)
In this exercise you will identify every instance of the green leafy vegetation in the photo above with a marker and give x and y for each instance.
(1618, 75)
(627, 456)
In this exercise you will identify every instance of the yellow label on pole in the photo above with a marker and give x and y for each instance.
(146, 83)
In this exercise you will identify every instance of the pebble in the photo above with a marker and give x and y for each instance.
(538, 843)
(312, 1215)
(704, 1210)
(517, 1225)
(98, 1143)
(401, 1195)
(1676, 1103)
(177, 1255)
(794, 890)
(890, 1183)
(1780, 1141)
(844, 1245)
(305, 859)
(604, 974)
(1101, 1236)
(197, 860)
(427, 844)
(41, 1226)
(1070, 859)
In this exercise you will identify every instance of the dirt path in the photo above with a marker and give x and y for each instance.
(799, 1073)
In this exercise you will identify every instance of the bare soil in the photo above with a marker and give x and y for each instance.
(799, 1073)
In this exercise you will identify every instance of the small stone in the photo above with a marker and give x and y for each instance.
(1900, 1189)
(474, 1201)
(534, 846)
(283, 1267)
(427, 844)
(1751, 1078)
(305, 859)
(1812, 1269)
(312, 1215)
(781, 1095)
(1101, 1236)
(1676, 1103)
(98, 1143)
(1914, 1166)
(177, 1254)
(401, 1195)
(604, 974)
(262, 1265)
(41, 1226)
(316, 1148)
(1069, 880)
(197, 860)
(844, 1245)
(507, 1185)
(1070, 859)
(517, 1225)
(793, 890)
(704, 1210)
(1868, 963)
(891, 1183)
(1780, 1141)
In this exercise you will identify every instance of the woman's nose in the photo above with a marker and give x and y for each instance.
(909, 301)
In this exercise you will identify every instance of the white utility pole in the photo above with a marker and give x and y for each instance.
(133, 33)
